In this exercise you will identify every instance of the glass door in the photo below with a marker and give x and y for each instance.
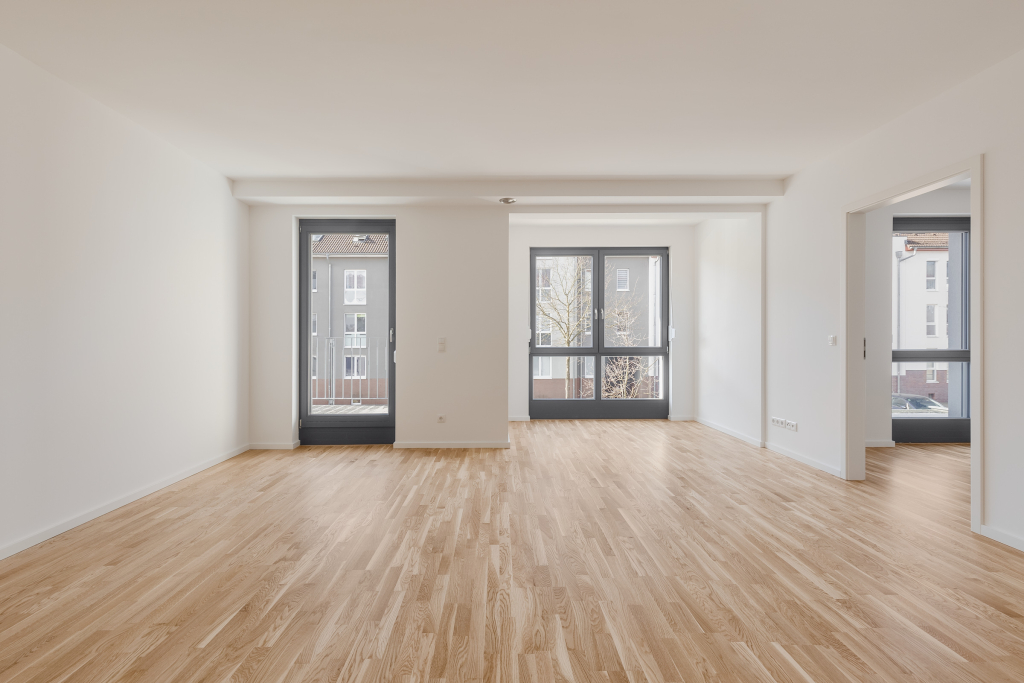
(599, 333)
(931, 336)
(347, 324)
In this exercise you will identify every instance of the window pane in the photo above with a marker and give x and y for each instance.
(353, 367)
(928, 310)
(632, 314)
(562, 377)
(632, 377)
(564, 304)
(926, 389)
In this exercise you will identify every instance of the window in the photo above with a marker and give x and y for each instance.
(314, 324)
(543, 284)
(947, 275)
(544, 331)
(355, 367)
(355, 330)
(929, 320)
(312, 366)
(929, 374)
(314, 280)
(588, 279)
(588, 367)
(929, 275)
(622, 280)
(355, 287)
(542, 367)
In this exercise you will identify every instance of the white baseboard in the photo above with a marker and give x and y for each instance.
(1015, 542)
(731, 432)
(518, 418)
(880, 444)
(680, 418)
(817, 464)
(274, 446)
(59, 528)
(453, 444)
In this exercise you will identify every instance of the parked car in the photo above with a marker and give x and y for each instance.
(912, 405)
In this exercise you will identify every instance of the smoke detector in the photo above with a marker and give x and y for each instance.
(507, 200)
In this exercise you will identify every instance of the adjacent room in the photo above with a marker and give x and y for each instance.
(434, 343)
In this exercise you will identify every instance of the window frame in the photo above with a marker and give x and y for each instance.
(355, 288)
(930, 279)
(314, 282)
(596, 407)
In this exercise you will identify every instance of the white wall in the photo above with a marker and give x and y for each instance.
(538, 233)
(805, 232)
(124, 301)
(729, 327)
(451, 266)
(878, 300)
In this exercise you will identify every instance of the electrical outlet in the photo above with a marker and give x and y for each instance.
(440, 418)
(778, 422)
(790, 425)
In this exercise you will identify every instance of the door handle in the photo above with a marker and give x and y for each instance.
(595, 314)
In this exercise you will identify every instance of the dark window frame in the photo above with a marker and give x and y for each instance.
(598, 407)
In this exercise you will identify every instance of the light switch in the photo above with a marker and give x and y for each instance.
(832, 340)
(440, 344)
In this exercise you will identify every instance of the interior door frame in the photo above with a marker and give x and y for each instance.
(851, 320)
(343, 429)
(598, 408)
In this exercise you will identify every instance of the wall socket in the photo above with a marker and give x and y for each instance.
(784, 423)
(440, 418)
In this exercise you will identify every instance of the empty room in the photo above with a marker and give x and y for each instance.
(543, 342)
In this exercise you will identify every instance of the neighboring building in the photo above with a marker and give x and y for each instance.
(921, 318)
(349, 335)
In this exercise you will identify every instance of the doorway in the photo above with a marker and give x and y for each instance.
(347, 331)
(599, 338)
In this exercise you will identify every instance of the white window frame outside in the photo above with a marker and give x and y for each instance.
(588, 367)
(544, 326)
(930, 326)
(929, 280)
(619, 287)
(353, 364)
(538, 367)
(314, 324)
(314, 280)
(354, 294)
(313, 367)
(543, 292)
(930, 374)
(355, 339)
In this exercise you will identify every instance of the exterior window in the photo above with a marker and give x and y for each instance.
(312, 367)
(314, 324)
(588, 367)
(355, 287)
(588, 279)
(929, 277)
(314, 280)
(929, 373)
(355, 330)
(542, 367)
(544, 331)
(543, 284)
(947, 275)
(355, 367)
(622, 280)
(929, 320)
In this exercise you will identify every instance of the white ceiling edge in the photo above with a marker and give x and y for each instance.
(551, 192)
(652, 216)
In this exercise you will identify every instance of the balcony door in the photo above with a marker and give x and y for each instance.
(599, 333)
(347, 331)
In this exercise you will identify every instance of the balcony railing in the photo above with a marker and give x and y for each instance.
(351, 375)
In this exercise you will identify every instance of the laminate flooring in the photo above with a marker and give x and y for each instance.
(589, 552)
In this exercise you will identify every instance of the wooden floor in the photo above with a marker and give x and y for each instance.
(590, 552)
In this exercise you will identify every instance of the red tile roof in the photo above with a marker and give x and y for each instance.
(926, 240)
(344, 243)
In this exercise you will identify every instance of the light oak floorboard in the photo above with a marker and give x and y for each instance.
(589, 552)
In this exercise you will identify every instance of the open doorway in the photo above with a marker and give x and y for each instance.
(870, 298)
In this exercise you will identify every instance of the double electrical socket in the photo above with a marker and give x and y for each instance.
(784, 423)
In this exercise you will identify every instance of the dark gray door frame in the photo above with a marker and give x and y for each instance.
(940, 429)
(343, 429)
(598, 408)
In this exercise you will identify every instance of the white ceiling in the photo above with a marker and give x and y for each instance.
(429, 89)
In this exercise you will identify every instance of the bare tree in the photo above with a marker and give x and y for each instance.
(564, 313)
(626, 376)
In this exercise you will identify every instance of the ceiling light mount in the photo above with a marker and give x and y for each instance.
(507, 200)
